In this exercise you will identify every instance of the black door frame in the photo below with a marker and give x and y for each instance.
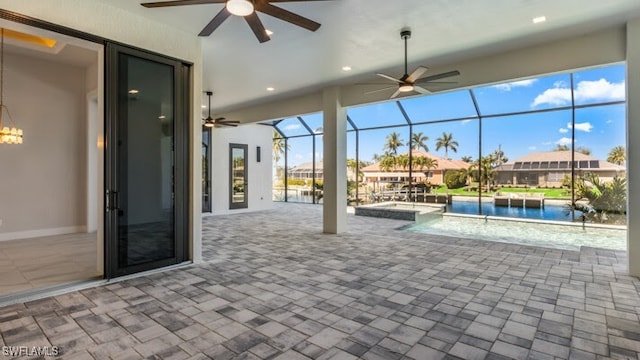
(182, 78)
(245, 203)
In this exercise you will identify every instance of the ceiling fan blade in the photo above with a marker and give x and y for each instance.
(389, 77)
(416, 74)
(215, 22)
(287, 16)
(256, 26)
(420, 90)
(438, 76)
(378, 90)
(229, 122)
(296, 0)
(220, 119)
(157, 4)
(395, 94)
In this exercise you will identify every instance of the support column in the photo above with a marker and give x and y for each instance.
(334, 210)
(633, 145)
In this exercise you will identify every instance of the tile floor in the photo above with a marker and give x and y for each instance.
(274, 287)
(27, 264)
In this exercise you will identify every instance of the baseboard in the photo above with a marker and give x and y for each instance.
(42, 232)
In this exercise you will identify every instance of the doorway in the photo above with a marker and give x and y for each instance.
(238, 172)
(146, 161)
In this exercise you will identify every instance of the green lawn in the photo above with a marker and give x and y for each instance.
(548, 193)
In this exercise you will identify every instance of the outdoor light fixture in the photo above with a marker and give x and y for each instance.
(8, 135)
(240, 7)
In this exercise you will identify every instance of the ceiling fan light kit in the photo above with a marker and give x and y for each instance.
(240, 7)
(247, 9)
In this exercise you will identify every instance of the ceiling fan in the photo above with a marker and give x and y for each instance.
(409, 83)
(246, 9)
(217, 122)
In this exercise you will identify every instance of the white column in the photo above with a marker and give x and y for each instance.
(633, 145)
(334, 211)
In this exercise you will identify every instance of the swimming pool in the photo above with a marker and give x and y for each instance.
(549, 212)
(554, 235)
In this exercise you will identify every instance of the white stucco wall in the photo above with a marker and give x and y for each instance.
(259, 177)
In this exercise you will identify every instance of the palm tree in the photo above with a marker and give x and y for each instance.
(467, 159)
(402, 161)
(387, 162)
(583, 150)
(279, 147)
(418, 141)
(351, 165)
(617, 155)
(562, 147)
(394, 142)
(498, 157)
(447, 142)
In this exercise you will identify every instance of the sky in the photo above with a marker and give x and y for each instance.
(598, 128)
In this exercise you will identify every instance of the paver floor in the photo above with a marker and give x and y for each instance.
(273, 286)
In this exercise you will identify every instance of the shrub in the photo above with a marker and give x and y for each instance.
(454, 179)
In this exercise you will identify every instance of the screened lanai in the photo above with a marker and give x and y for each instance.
(556, 142)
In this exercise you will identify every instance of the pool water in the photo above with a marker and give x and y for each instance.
(549, 212)
(559, 236)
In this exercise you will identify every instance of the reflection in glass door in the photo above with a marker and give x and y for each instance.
(238, 176)
(146, 176)
(206, 178)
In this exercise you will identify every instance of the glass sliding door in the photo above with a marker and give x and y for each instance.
(146, 171)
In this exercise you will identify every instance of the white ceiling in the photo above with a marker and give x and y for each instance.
(364, 34)
(68, 50)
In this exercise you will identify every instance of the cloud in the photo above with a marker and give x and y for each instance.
(532, 147)
(547, 143)
(292, 127)
(553, 96)
(597, 90)
(563, 130)
(609, 121)
(514, 84)
(585, 126)
(564, 141)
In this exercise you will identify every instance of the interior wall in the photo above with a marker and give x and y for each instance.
(259, 178)
(43, 180)
(101, 19)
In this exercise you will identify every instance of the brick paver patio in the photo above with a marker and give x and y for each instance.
(274, 287)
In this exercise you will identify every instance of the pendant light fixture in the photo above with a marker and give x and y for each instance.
(8, 135)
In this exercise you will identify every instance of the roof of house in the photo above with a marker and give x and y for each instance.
(443, 164)
(308, 166)
(550, 160)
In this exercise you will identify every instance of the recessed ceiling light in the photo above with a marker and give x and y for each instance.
(204, 106)
(539, 19)
(133, 91)
(162, 117)
(269, 32)
(270, 88)
(346, 68)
